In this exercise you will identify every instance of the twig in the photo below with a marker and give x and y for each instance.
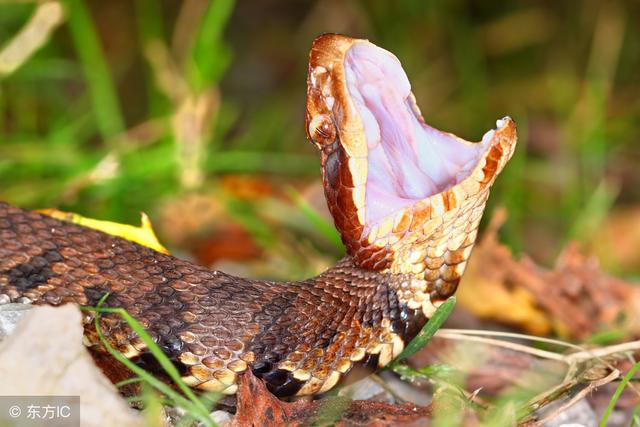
(581, 394)
(570, 359)
(603, 351)
(505, 344)
(580, 356)
(47, 17)
(481, 332)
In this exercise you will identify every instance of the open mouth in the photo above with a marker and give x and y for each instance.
(408, 160)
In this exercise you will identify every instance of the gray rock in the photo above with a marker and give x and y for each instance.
(221, 418)
(405, 390)
(44, 356)
(581, 414)
(173, 416)
(367, 389)
(10, 316)
(396, 390)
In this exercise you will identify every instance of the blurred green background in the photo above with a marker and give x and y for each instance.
(182, 107)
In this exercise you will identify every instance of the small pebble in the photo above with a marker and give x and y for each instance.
(221, 418)
(367, 389)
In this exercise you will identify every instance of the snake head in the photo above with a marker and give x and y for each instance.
(406, 198)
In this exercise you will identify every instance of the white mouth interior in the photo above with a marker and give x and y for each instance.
(408, 160)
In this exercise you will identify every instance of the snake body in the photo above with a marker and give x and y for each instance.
(300, 337)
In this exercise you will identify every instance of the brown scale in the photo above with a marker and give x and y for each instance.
(299, 337)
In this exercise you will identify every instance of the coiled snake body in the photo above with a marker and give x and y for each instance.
(406, 198)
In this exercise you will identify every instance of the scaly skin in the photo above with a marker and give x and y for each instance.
(301, 337)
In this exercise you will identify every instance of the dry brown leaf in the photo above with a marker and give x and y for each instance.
(257, 407)
(573, 300)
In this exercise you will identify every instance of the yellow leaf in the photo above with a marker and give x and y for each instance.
(516, 306)
(142, 235)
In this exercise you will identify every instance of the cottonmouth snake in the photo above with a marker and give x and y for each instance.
(406, 198)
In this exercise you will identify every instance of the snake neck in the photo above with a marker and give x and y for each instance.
(421, 253)
(350, 321)
(395, 295)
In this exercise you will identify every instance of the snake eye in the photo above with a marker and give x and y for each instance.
(321, 130)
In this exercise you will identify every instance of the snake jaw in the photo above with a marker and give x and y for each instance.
(406, 198)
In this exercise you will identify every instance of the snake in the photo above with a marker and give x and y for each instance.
(406, 198)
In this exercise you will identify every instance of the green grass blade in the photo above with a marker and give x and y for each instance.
(150, 29)
(207, 59)
(192, 404)
(166, 364)
(159, 385)
(427, 332)
(617, 393)
(102, 92)
(128, 381)
(635, 417)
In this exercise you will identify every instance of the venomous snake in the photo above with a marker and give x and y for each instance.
(406, 198)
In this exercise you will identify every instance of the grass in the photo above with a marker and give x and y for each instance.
(150, 28)
(208, 57)
(426, 333)
(616, 395)
(193, 405)
(69, 105)
(104, 99)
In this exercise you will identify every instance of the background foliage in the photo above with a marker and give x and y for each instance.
(130, 104)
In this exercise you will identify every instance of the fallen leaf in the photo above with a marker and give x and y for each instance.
(256, 406)
(573, 300)
(143, 235)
